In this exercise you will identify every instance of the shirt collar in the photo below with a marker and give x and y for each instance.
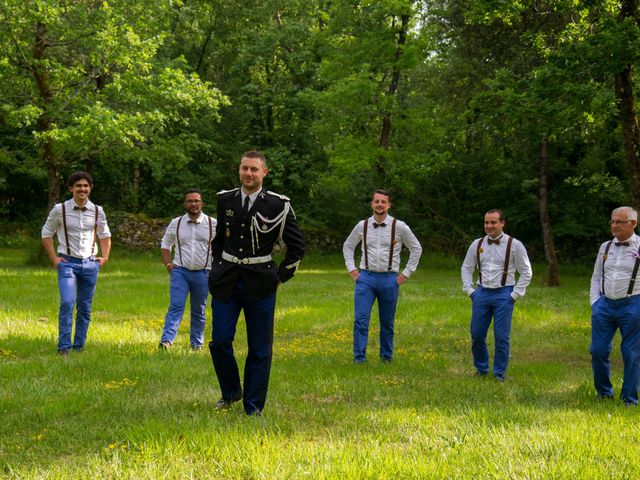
(197, 220)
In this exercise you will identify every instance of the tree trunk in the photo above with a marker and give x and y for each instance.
(385, 131)
(628, 116)
(43, 124)
(552, 275)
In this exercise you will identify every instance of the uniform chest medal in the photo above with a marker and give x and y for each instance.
(227, 232)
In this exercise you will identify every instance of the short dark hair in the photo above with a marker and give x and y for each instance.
(77, 176)
(498, 211)
(382, 192)
(192, 190)
(255, 154)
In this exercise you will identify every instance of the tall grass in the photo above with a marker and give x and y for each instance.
(124, 409)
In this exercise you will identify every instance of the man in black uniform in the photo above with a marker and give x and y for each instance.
(244, 277)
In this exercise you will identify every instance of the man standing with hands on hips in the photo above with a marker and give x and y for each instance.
(79, 225)
(615, 304)
(244, 277)
(497, 257)
(191, 235)
(382, 238)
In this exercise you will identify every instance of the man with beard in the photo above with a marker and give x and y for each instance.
(378, 277)
(191, 235)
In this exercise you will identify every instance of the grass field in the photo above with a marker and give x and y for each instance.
(124, 409)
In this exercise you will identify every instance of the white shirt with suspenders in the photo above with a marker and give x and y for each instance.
(616, 270)
(381, 246)
(192, 239)
(77, 228)
(497, 264)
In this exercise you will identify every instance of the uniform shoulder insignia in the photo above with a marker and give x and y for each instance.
(281, 197)
(224, 192)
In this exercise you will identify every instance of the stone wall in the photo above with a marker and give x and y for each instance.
(139, 232)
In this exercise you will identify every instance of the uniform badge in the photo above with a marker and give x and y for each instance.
(265, 228)
(229, 213)
(227, 232)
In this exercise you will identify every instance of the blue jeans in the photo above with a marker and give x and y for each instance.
(258, 316)
(487, 303)
(606, 317)
(186, 282)
(77, 280)
(369, 287)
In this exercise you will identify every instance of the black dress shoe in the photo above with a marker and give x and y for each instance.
(223, 404)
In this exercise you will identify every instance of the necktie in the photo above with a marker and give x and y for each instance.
(622, 244)
(376, 225)
(496, 241)
(245, 208)
(82, 209)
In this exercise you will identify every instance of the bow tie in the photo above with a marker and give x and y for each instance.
(82, 209)
(622, 244)
(496, 241)
(376, 225)
(192, 221)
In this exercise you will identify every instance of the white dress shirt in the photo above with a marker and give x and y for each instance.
(618, 268)
(194, 241)
(492, 263)
(378, 244)
(252, 197)
(80, 227)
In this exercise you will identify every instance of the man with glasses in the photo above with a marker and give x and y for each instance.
(615, 304)
(190, 236)
(80, 226)
(497, 257)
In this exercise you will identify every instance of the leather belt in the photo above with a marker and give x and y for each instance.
(247, 260)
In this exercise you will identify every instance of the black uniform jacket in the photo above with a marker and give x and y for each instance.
(234, 236)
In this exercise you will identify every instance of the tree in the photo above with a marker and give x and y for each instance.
(86, 79)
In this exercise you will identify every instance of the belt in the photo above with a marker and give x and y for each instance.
(247, 260)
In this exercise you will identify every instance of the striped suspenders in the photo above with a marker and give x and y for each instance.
(634, 274)
(64, 224)
(206, 259)
(391, 244)
(505, 270)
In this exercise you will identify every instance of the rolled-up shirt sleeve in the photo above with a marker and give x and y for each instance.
(169, 237)
(53, 222)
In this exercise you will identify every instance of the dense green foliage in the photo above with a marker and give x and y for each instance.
(124, 409)
(445, 102)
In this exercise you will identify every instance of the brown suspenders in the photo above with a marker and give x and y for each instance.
(206, 259)
(506, 262)
(391, 245)
(64, 224)
(634, 274)
(604, 259)
(505, 270)
(478, 260)
(364, 244)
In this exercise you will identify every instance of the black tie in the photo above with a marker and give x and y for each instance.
(376, 225)
(622, 244)
(82, 209)
(245, 208)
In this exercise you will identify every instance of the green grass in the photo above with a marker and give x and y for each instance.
(123, 409)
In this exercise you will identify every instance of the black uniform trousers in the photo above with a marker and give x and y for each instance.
(259, 316)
